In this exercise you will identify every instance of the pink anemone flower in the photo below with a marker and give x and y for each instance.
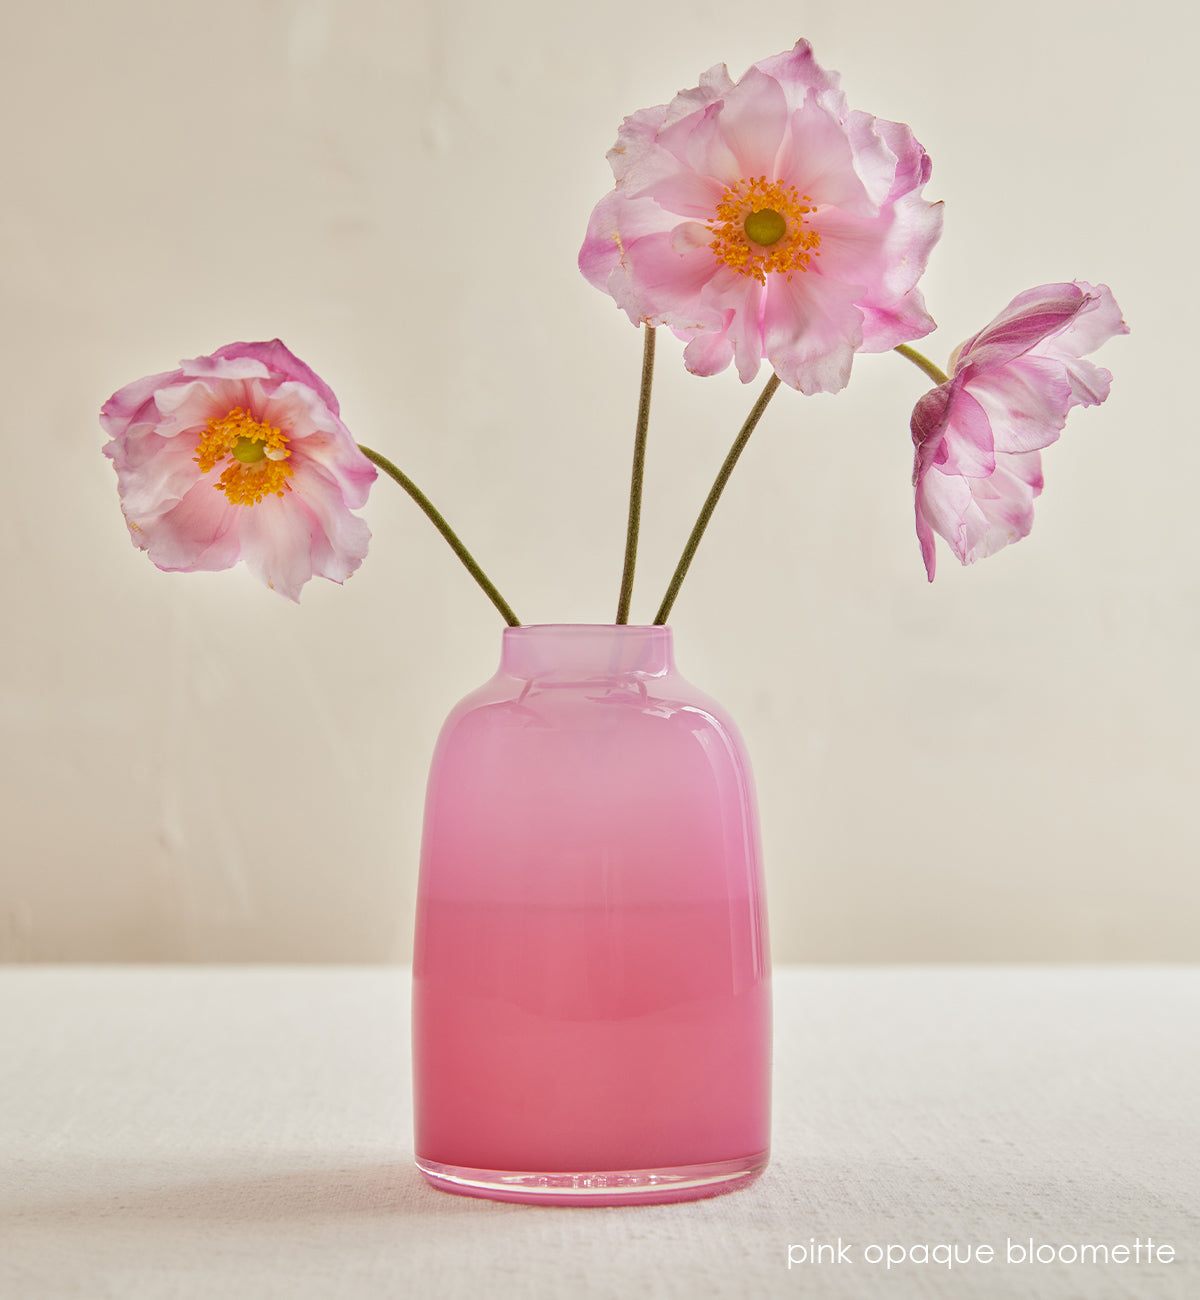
(763, 219)
(240, 456)
(979, 436)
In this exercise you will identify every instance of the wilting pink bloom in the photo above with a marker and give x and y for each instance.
(764, 219)
(240, 456)
(979, 435)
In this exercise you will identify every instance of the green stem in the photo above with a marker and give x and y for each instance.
(639, 469)
(923, 363)
(446, 531)
(714, 495)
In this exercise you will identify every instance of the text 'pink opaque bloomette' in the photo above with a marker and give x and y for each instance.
(240, 455)
(763, 219)
(979, 436)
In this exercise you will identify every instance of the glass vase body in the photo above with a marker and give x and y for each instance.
(591, 981)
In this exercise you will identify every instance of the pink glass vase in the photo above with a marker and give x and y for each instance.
(591, 995)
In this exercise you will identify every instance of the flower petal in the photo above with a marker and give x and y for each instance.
(811, 330)
(1026, 402)
(197, 534)
(277, 537)
(752, 121)
(819, 160)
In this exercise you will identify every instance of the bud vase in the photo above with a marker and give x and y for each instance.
(591, 980)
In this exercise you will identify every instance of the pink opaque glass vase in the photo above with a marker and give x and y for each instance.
(591, 996)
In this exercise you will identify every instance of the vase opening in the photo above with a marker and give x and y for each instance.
(579, 651)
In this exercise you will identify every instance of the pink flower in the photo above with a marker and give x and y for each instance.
(240, 456)
(979, 435)
(764, 219)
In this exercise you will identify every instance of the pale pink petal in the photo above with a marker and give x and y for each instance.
(634, 254)
(188, 406)
(729, 326)
(277, 537)
(1002, 506)
(955, 432)
(635, 144)
(198, 533)
(339, 539)
(319, 435)
(708, 353)
(282, 365)
(811, 330)
(687, 193)
(742, 297)
(697, 147)
(752, 121)
(153, 474)
(943, 502)
(885, 327)
(1027, 321)
(234, 365)
(129, 404)
(884, 175)
(889, 253)
(716, 83)
(1026, 402)
(798, 72)
(1098, 320)
(601, 251)
(925, 534)
(913, 165)
(819, 161)
(664, 282)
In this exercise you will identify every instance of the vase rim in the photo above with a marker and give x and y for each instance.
(581, 650)
(587, 627)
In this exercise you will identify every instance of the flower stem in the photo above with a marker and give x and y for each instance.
(446, 531)
(923, 363)
(635, 485)
(714, 496)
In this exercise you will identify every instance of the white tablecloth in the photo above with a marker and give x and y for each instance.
(178, 1132)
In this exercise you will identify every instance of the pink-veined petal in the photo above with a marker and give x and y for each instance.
(1026, 402)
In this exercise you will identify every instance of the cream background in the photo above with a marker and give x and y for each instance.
(1000, 766)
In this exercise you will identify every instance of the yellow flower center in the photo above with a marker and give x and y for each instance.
(258, 457)
(759, 227)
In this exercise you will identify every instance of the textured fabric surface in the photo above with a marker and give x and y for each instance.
(172, 1132)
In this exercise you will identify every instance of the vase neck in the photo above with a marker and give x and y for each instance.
(578, 651)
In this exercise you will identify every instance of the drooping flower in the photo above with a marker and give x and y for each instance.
(764, 219)
(979, 436)
(241, 455)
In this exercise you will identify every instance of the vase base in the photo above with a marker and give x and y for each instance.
(602, 1187)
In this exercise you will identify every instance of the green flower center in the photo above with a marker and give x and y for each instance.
(765, 227)
(249, 451)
